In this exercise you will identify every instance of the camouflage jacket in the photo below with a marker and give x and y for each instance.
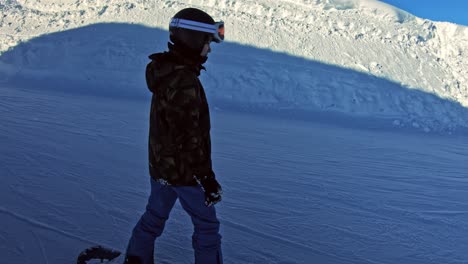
(179, 134)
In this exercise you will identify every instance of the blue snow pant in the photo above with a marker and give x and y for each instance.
(206, 240)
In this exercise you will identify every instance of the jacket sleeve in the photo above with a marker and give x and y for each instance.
(182, 113)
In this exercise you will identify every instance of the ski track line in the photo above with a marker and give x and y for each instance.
(48, 227)
(286, 241)
(41, 245)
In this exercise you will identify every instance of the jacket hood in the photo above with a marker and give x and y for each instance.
(165, 63)
(159, 67)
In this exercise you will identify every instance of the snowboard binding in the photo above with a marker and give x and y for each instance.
(97, 252)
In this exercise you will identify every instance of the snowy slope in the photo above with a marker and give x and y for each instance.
(74, 174)
(361, 58)
(74, 124)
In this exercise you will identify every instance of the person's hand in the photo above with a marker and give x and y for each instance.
(211, 188)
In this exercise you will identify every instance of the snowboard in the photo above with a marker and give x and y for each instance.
(97, 253)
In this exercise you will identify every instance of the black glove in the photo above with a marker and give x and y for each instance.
(211, 187)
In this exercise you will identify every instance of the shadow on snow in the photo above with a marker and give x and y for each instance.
(109, 60)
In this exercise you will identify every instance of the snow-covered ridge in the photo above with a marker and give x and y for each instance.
(364, 36)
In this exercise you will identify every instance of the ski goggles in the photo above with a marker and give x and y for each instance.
(217, 29)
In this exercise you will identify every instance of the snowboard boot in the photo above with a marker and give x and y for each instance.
(132, 260)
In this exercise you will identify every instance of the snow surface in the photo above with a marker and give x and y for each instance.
(74, 175)
(319, 109)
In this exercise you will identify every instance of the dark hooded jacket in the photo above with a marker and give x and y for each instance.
(179, 135)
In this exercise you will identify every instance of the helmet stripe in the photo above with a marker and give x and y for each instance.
(193, 25)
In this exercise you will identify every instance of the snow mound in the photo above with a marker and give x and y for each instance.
(370, 7)
(356, 57)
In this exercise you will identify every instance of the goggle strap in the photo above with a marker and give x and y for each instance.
(193, 25)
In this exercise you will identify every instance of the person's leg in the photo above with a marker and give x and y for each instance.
(151, 224)
(206, 239)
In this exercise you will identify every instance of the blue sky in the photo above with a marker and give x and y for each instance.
(455, 11)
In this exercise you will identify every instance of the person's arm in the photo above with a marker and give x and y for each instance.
(182, 114)
(183, 117)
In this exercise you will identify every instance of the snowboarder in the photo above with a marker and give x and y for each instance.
(179, 141)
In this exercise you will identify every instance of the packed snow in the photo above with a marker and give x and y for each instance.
(338, 131)
(74, 173)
